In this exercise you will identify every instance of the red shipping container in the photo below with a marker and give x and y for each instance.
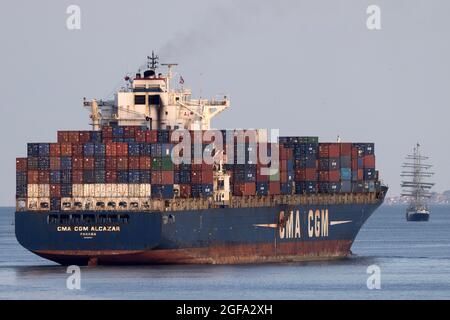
(85, 136)
(111, 176)
(354, 164)
(107, 132)
(274, 187)
(111, 149)
(244, 189)
(334, 150)
(66, 149)
(346, 149)
(111, 163)
(77, 163)
(286, 153)
(311, 174)
(55, 190)
(107, 140)
(77, 150)
(88, 163)
(145, 163)
(139, 135)
(44, 176)
(185, 190)
(284, 177)
(334, 175)
(133, 163)
(55, 163)
(167, 177)
(156, 177)
(55, 149)
(324, 176)
(21, 164)
(74, 136)
(77, 176)
(369, 161)
(122, 149)
(62, 136)
(122, 163)
(202, 167)
(151, 136)
(33, 176)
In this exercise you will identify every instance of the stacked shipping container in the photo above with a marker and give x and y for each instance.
(134, 162)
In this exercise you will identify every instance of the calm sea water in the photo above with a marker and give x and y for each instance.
(414, 259)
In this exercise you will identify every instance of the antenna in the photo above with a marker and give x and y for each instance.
(152, 61)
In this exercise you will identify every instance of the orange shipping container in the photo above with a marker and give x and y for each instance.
(21, 164)
(33, 176)
(55, 150)
(274, 187)
(66, 149)
(244, 189)
(55, 163)
(145, 163)
(111, 150)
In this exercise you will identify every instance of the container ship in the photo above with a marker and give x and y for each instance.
(152, 183)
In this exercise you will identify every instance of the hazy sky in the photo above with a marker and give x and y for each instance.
(306, 67)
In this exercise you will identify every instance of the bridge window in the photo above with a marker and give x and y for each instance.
(89, 218)
(64, 218)
(111, 205)
(139, 99)
(76, 218)
(153, 100)
(53, 219)
(123, 204)
(124, 218)
(134, 205)
(44, 205)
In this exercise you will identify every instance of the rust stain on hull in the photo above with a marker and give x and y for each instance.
(226, 254)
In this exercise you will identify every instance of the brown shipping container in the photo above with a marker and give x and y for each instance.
(107, 132)
(77, 150)
(274, 187)
(354, 164)
(74, 136)
(133, 163)
(63, 136)
(334, 175)
(167, 177)
(88, 163)
(44, 176)
(311, 174)
(324, 150)
(55, 163)
(185, 190)
(145, 163)
(66, 149)
(324, 176)
(77, 163)
(259, 176)
(369, 161)
(360, 174)
(55, 150)
(122, 163)
(245, 189)
(286, 153)
(111, 176)
(77, 176)
(55, 190)
(300, 175)
(21, 164)
(85, 136)
(122, 149)
(111, 163)
(156, 177)
(129, 132)
(33, 176)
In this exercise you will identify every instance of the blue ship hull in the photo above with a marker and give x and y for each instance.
(216, 236)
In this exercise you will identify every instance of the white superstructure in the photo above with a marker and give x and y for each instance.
(148, 100)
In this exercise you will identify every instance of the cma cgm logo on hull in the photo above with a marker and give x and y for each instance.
(290, 224)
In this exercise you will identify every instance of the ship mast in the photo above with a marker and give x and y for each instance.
(416, 188)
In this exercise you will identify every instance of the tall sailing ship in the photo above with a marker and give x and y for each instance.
(415, 187)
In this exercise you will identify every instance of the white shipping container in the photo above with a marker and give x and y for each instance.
(133, 190)
(145, 190)
(122, 190)
(33, 191)
(33, 203)
(44, 190)
(89, 190)
(100, 190)
(77, 190)
(110, 190)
